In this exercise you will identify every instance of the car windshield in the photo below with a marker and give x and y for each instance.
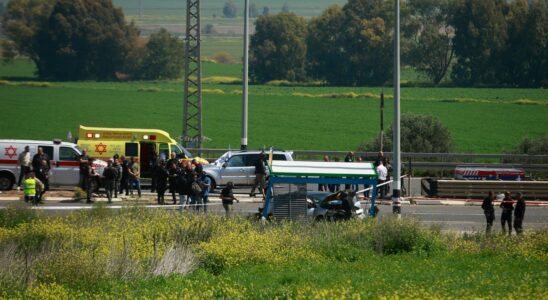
(187, 154)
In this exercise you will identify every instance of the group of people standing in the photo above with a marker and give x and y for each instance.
(119, 176)
(382, 166)
(508, 206)
(185, 180)
(34, 174)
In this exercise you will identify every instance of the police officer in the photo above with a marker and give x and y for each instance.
(489, 210)
(110, 174)
(507, 206)
(161, 181)
(519, 213)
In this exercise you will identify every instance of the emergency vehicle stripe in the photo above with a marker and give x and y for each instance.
(8, 161)
(69, 163)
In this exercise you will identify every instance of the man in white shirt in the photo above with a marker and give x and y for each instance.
(383, 173)
(23, 161)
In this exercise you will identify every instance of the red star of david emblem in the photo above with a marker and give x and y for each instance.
(101, 148)
(10, 152)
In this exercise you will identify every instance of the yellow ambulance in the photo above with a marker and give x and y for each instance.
(104, 143)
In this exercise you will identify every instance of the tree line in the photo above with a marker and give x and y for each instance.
(86, 40)
(488, 42)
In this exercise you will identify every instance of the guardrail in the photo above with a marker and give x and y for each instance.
(421, 161)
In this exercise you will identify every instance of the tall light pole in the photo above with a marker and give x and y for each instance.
(396, 186)
(243, 145)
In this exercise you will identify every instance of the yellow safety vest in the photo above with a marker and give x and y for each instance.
(30, 187)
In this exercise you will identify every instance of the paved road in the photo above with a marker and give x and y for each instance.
(459, 217)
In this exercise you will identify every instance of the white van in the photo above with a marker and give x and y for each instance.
(64, 159)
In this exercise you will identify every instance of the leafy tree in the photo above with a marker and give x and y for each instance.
(525, 60)
(208, 29)
(533, 146)
(285, 8)
(419, 133)
(230, 10)
(432, 47)
(20, 22)
(253, 11)
(161, 58)
(324, 42)
(266, 11)
(83, 39)
(480, 37)
(357, 39)
(278, 48)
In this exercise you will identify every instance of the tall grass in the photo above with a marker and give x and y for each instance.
(86, 250)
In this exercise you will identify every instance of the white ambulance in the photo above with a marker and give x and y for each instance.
(64, 159)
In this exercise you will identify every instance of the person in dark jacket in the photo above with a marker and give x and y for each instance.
(519, 213)
(173, 173)
(228, 198)
(260, 176)
(507, 205)
(124, 181)
(161, 181)
(489, 210)
(110, 173)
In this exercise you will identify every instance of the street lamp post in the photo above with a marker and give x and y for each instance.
(396, 186)
(245, 77)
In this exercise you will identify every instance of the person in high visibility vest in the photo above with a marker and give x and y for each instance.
(29, 187)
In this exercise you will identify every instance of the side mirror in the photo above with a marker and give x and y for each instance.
(224, 165)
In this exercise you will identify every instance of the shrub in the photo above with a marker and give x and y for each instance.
(223, 57)
(392, 236)
(12, 216)
(419, 133)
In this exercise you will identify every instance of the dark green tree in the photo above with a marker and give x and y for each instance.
(525, 55)
(230, 10)
(278, 48)
(533, 146)
(20, 22)
(84, 39)
(285, 8)
(431, 49)
(363, 51)
(419, 133)
(253, 11)
(479, 42)
(324, 49)
(161, 58)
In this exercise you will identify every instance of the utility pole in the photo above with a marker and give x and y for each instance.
(245, 81)
(396, 186)
(382, 119)
(192, 110)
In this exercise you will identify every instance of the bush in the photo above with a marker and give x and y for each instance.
(12, 216)
(419, 133)
(223, 57)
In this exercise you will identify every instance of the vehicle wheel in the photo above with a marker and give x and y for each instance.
(6, 181)
(319, 218)
(213, 185)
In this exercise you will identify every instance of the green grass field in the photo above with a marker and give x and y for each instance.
(480, 119)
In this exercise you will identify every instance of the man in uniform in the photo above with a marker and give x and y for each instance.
(519, 213)
(84, 163)
(29, 188)
(489, 210)
(110, 174)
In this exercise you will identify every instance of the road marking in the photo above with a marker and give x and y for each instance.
(445, 214)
